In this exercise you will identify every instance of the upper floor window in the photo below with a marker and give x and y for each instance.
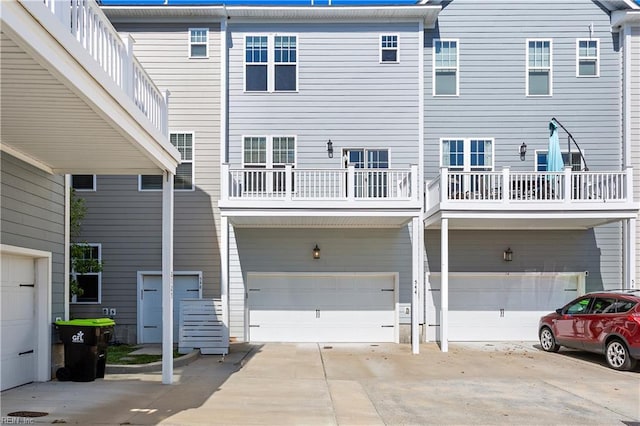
(274, 151)
(271, 63)
(539, 68)
(541, 160)
(445, 68)
(467, 154)
(587, 58)
(198, 40)
(86, 270)
(83, 182)
(184, 178)
(389, 49)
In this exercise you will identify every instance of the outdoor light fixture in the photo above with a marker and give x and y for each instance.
(316, 252)
(507, 255)
(523, 151)
(330, 148)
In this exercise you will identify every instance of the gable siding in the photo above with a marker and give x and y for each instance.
(344, 93)
(128, 222)
(493, 104)
(32, 216)
(635, 128)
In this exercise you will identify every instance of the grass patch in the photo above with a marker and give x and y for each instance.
(120, 355)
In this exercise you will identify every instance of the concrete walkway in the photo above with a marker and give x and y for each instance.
(351, 384)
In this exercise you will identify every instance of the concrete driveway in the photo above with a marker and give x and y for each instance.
(351, 384)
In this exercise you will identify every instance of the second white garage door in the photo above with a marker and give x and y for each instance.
(322, 307)
(500, 307)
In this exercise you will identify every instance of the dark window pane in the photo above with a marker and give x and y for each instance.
(183, 176)
(82, 182)
(151, 182)
(89, 283)
(256, 76)
(389, 55)
(199, 50)
(285, 77)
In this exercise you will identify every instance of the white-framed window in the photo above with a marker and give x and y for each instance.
(271, 63)
(198, 42)
(83, 182)
(90, 282)
(467, 154)
(587, 58)
(445, 68)
(389, 49)
(268, 151)
(576, 160)
(373, 181)
(184, 179)
(539, 68)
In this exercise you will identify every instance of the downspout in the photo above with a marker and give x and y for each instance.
(224, 222)
(420, 236)
(628, 226)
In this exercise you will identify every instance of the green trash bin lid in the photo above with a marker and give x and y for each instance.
(89, 322)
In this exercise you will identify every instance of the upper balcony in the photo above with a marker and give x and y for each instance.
(529, 200)
(74, 97)
(391, 195)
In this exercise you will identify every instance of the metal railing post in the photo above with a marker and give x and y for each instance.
(351, 182)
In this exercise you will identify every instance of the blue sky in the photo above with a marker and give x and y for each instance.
(257, 2)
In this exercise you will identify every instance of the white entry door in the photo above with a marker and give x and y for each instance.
(18, 321)
(500, 307)
(322, 308)
(185, 286)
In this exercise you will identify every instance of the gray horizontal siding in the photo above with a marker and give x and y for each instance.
(289, 250)
(344, 93)
(128, 223)
(492, 102)
(597, 250)
(32, 216)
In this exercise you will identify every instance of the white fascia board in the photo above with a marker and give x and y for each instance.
(620, 18)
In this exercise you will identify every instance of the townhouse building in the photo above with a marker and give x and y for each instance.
(73, 101)
(368, 174)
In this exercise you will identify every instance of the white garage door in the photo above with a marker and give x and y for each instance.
(184, 287)
(500, 307)
(322, 308)
(18, 319)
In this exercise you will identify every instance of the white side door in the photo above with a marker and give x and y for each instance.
(18, 321)
(185, 286)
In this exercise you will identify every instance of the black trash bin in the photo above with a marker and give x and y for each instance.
(85, 348)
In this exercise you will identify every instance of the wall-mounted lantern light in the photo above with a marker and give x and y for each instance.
(507, 255)
(523, 151)
(316, 252)
(330, 149)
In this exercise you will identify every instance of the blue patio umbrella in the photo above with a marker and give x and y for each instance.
(554, 156)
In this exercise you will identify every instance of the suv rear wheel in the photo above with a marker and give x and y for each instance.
(547, 341)
(618, 356)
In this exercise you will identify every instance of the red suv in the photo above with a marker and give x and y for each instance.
(606, 322)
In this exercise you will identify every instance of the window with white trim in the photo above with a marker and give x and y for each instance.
(587, 58)
(83, 182)
(445, 68)
(389, 49)
(267, 152)
(539, 68)
(91, 281)
(467, 155)
(198, 41)
(184, 178)
(541, 160)
(271, 63)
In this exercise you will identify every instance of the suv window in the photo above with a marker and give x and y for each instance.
(600, 305)
(620, 306)
(578, 307)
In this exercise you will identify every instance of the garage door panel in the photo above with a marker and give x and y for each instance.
(499, 307)
(314, 308)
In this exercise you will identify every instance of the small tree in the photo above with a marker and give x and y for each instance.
(80, 262)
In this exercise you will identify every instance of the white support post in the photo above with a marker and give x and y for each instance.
(506, 185)
(288, 180)
(167, 277)
(165, 113)
(128, 71)
(444, 286)
(629, 233)
(67, 243)
(567, 185)
(224, 269)
(444, 185)
(415, 183)
(415, 296)
(224, 183)
(628, 184)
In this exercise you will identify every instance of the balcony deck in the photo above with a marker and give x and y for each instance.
(530, 199)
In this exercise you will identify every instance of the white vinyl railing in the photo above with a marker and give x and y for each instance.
(94, 32)
(320, 184)
(508, 186)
